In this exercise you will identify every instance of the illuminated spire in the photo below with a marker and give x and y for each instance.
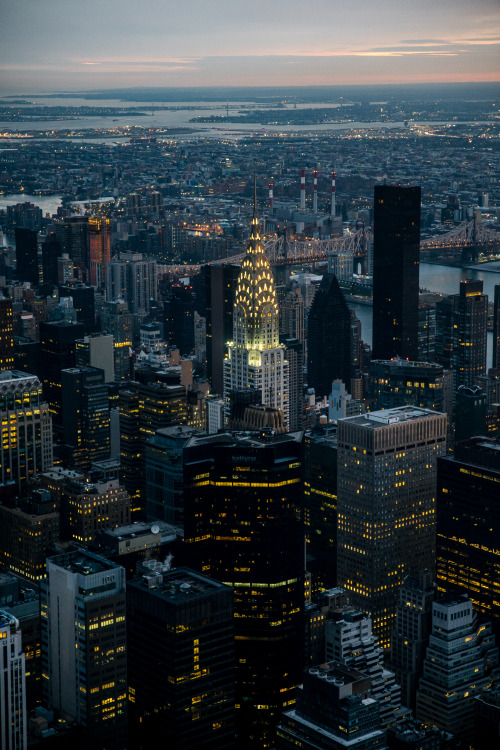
(256, 305)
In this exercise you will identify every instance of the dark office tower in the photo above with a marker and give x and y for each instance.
(426, 333)
(329, 338)
(145, 408)
(292, 316)
(27, 256)
(411, 637)
(57, 352)
(396, 254)
(320, 507)
(220, 288)
(179, 317)
(165, 474)
(180, 630)
(468, 524)
(6, 334)
(117, 321)
(294, 353)
(243, 525)
(73, 236)
(496, 328)
(85, 416)
(334, 711)
(386, 506)
(83, 302)
(444, 333)
(397, 382)
(469, 331)
(99, 249)
(84, 646)
(51, 250)
(461, 332)
(470, 413)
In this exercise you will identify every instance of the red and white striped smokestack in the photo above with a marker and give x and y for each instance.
(315, 192)
(332, 211)
(271, 196)
(303, 189)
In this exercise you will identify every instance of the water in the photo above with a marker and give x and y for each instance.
(179, 118)
(48, 203)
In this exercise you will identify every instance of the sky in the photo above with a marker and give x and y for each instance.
(65, 45)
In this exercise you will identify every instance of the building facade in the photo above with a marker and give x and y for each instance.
(396, 257)
(84, 645)
(181, 661)
(13, 711)
(26, 446)
(387, 464)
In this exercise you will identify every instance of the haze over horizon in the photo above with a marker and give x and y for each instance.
(58, 46)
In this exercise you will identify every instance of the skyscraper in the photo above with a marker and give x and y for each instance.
(461, 661)
(256, 360)
(27, 255)
(84, 645)
(220, 288)
(57, 349)
(243, 526)
(468, 524)
(396, 254)
(181, 661)
(99, 246)
(329, 339)
(26, 446)
(386, 505)
(411, 637)
(51, 250)
(117, 321)
(350, 641)
(13, 712)
(397, 382)
(73, 236)
(6, 334)
(461, 332)
(85, 416)
(496, 328)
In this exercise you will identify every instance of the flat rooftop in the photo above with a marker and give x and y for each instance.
(397, 415)
(179, 585)
(82, 562)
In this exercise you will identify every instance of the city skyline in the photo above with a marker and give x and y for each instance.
(199, 44)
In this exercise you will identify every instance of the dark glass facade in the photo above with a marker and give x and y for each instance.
(329, 339)
(243, 522)
(396, 254)
(468, 524)
(180, 662)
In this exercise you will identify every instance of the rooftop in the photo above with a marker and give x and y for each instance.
(398, 415)
(82, 562)
(179, 585)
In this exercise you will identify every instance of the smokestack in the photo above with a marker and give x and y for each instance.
(315, 192)
(332, 211)
(271, 197)
(303, 189)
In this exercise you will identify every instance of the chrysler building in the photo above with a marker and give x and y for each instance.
(255, 359)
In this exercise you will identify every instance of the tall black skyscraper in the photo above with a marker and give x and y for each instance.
(496, 327)
(243, 527)
(27, 255)
(220, 289)
(51, 250)
(181, 663)
(329, 338)
(396, 253)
